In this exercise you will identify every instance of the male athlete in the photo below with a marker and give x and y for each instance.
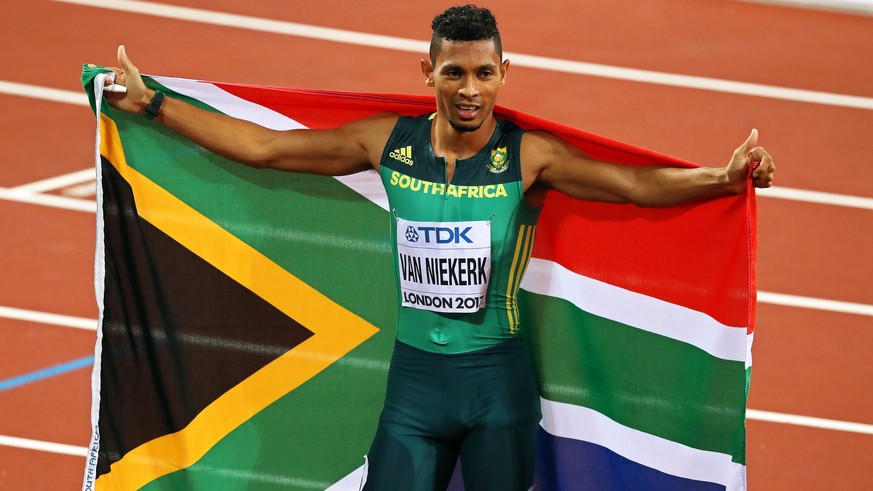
(462, 188)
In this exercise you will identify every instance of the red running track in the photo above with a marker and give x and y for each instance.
(807, 362)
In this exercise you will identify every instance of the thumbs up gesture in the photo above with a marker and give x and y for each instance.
(751, 161)
(137, 97)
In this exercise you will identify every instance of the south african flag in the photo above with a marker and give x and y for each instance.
(247, 316)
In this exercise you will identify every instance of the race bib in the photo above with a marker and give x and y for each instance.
(444, 266)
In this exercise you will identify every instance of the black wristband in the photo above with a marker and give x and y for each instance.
(155, 104)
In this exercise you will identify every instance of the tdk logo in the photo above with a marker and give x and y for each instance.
(411, 234)
(438, 235)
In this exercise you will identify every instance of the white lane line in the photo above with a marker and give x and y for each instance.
(808, 421)
(47, 318)
(815, 303)
(530, 61)
(43, 93)
(84, 191)
(49, 447)
(818, 197)
(850, 6)
(57, 182)
(50, 200)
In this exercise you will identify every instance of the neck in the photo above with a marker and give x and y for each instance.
(451, 143)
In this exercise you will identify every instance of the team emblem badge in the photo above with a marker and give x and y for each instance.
(499, 161)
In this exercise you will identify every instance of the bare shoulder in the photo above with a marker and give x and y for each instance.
(372, 133)
(539, 150)
(372, 130)
(374, 125)
(539, 144)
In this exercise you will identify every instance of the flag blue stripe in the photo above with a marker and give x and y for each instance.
(567, 464)
(45, 373)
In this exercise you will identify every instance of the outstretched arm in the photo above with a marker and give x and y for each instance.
(347, 149)
(555, 163)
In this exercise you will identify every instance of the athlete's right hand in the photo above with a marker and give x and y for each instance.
(138, 96)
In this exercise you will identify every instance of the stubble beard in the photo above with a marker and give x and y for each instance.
(464, 128)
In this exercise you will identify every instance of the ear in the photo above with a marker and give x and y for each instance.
(504, 67)
(427, 71)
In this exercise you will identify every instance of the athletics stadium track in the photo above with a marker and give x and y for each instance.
(810, 425)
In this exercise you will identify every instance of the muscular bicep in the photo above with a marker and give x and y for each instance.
(553, 162)
(350, 148)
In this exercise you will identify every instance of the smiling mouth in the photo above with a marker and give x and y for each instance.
(467, 111)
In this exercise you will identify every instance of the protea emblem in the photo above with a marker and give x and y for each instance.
(499, 161)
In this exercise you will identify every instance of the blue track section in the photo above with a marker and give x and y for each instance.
(45, 373)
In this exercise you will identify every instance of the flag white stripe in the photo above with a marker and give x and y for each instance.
(228, 103)
(352, 482)
(368, 185)
(637, 310)
(584, 424)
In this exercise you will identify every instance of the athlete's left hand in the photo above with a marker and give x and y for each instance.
(749, 156)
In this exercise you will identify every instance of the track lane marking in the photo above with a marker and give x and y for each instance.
(809, 421)
(43, 93)
(42, 446)
(815, 303)
(818, 197)
(56, 182)
(48, 318)
(518, 59)
(863, 7)
(49, 200)
(46, 373)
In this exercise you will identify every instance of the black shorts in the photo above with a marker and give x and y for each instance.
(481, 406)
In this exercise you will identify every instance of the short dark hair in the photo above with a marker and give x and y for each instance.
(464, 23)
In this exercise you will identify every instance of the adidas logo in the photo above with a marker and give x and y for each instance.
(402, 154)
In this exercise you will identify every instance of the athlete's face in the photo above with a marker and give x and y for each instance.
(466, 76)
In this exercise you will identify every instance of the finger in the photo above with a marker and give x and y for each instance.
(763, 177)
(750, 142)
(765, 170)
(764, 182)
(117, 79)
(124, 61)
(758, 154)
(761, 161)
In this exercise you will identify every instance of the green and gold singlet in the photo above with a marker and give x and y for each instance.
(460, 248)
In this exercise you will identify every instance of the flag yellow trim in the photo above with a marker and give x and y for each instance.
(262, 276)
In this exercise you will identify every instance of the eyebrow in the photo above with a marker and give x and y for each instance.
(453, 66)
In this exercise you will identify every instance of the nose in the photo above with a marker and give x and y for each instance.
(470, 87)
